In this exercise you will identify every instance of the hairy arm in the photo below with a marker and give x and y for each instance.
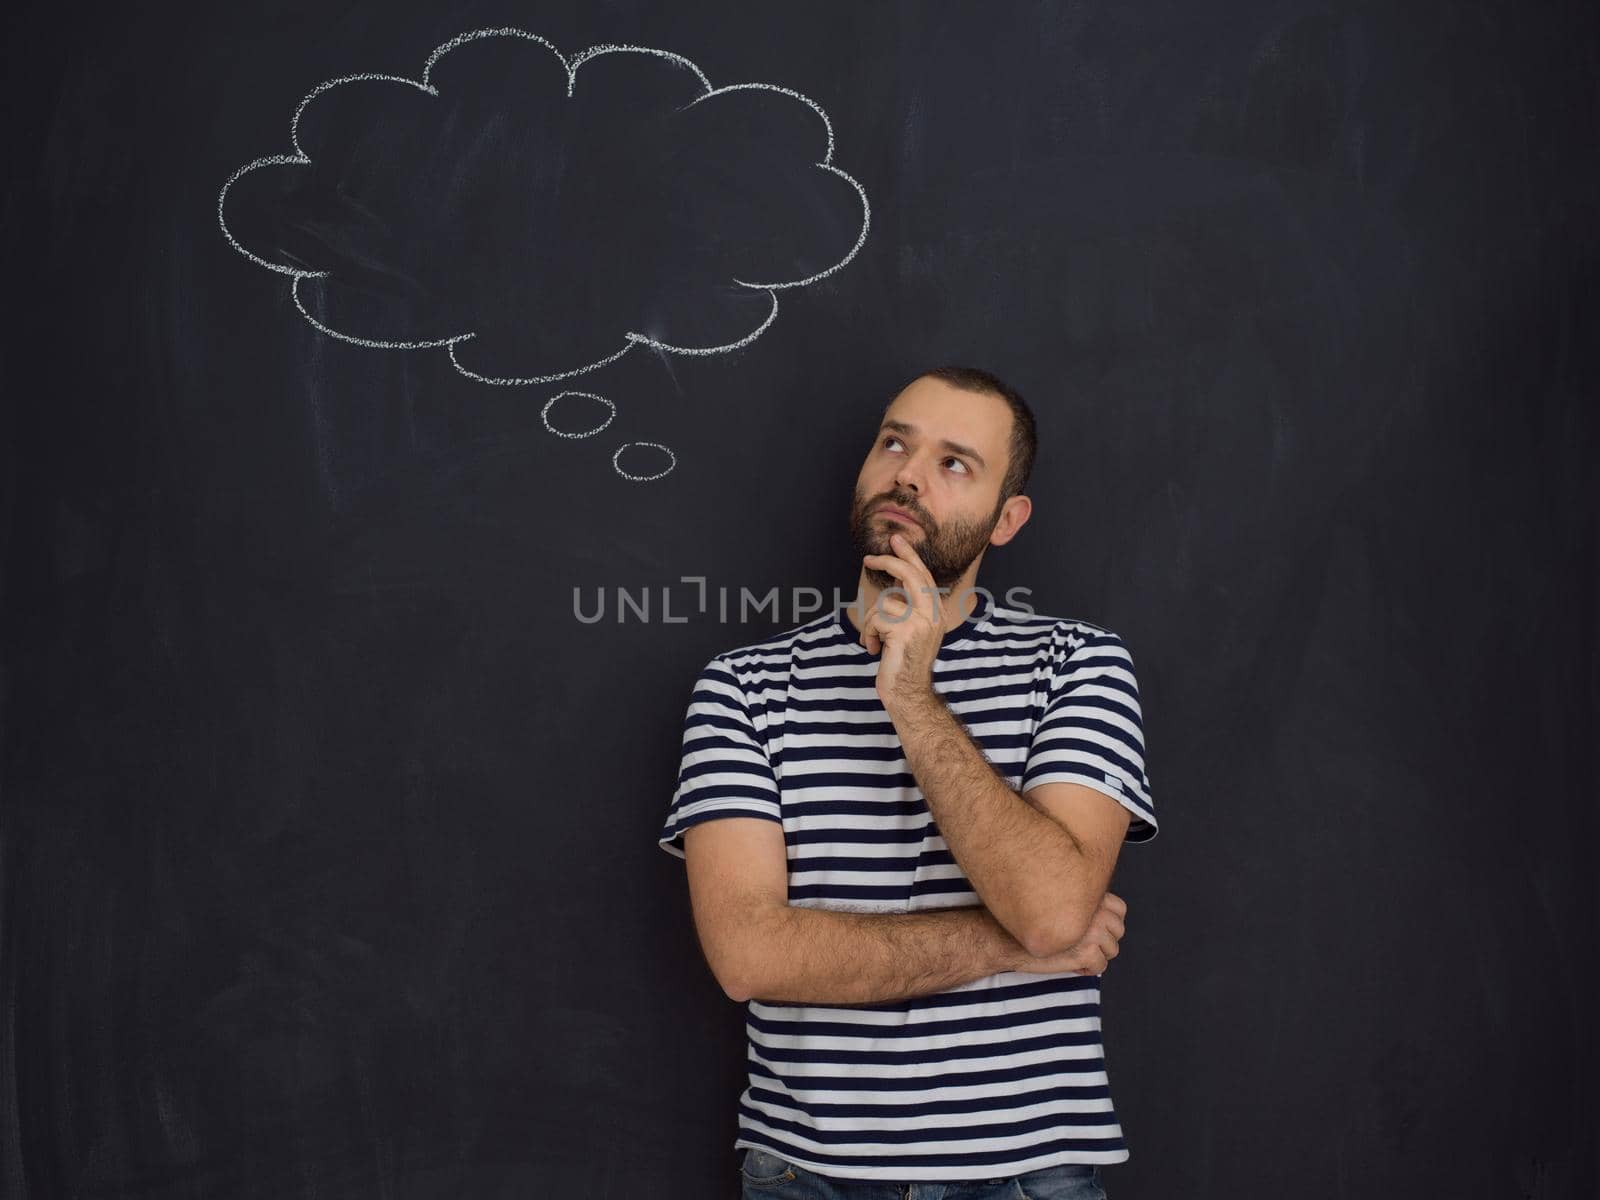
(820, 956)
(1041, 881)
(761, 947)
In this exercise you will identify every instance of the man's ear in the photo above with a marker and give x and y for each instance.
(1013, 517)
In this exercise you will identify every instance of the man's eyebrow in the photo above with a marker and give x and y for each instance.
(902, 427)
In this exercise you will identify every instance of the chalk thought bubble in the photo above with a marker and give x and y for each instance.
(539, 216)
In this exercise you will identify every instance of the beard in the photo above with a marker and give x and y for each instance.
(947, 549)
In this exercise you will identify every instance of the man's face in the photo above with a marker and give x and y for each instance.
(940, 456)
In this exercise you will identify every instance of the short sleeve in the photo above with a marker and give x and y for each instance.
(1092, 731)
(725, 770)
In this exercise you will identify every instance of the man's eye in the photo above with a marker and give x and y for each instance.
(959, 463)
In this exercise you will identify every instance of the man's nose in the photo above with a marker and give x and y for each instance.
(909, 476)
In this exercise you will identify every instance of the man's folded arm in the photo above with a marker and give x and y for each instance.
(761, 947)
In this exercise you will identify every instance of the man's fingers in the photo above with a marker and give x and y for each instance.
(1104, 950)
(893, 564)
(890, 613)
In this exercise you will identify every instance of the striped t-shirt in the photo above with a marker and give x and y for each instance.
(1004, 1074)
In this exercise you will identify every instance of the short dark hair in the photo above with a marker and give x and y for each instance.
(1024, 435)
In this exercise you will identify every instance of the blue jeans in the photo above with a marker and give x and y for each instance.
(765, 1176)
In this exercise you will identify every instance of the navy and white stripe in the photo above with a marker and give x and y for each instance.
(1004, 1074)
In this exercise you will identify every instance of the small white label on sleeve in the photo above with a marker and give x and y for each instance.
(1113, 781)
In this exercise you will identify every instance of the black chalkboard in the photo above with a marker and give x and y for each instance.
(327, 826)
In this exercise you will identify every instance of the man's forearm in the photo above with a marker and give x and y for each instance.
(822, 956)
(1025, 866)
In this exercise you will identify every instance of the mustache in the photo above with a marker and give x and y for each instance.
(906, 506)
